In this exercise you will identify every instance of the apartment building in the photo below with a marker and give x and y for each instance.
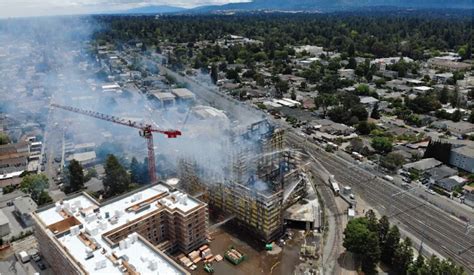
(130, 233)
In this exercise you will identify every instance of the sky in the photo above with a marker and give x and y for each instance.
(25, 8)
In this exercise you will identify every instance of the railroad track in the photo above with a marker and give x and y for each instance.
(436, 229)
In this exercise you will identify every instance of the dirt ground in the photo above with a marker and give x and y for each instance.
(258, 261)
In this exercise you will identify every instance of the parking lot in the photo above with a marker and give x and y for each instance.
(16, 226)
(14, 266)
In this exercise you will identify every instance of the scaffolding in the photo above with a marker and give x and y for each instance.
(253, 189)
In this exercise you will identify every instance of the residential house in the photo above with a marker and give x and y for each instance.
(468, 198)
(449, 184)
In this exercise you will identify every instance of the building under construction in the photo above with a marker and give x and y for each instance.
(261, 181)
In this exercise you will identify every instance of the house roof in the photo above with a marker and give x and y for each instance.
(423, 164)
(441, 172)
(24, 205)
(451, 182)
(368, 100)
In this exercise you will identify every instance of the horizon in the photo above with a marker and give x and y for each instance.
(34, 8)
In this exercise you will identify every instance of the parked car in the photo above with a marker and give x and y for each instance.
(36, 257)
(41, 265)
(430, 191)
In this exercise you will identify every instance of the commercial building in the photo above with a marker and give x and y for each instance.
(128, 234)
(164, 99)
(85, 158)
(183, 95)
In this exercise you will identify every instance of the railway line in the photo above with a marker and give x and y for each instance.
(437, 229)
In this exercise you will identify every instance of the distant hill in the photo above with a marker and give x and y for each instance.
(155, 10)
(334, 5)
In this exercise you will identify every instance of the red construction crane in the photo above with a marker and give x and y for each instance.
(146, 131)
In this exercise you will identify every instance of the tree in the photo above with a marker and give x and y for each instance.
(351, 50)
(293, 94)
(364, 127)
(75, 177)
(35, 184)
(465, 52)
(214, 73)
(444, 95)
(44, 198)
(382, 144)
(233, 74)
(372, 222)
(456, 116)
(135, 169)
(352, 64)
(4, 139)
(390, 245)
(281, 88)
(375, 114)
(471, 116)
(454, 100)
(419, 266)
(403, 257)
(359, 111)
(324, 101)
(383, 229)
(359, 240)
(116, 180)
(393, 161)
(380, 82)
(363, 89)
(372, 255)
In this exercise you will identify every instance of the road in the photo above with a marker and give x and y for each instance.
(437, 229)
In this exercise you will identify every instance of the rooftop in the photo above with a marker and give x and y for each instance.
(80, 224)
(24, 205)
(423, 164)
(183, 93)
(82, 157)
(465, 151)
(164, 96)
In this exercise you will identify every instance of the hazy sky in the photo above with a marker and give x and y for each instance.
(20, 8)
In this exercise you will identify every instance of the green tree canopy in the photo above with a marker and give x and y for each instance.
(35, 185)
(75, 177)
(382, 144)
(393, 161)
(4, 139)
(375, 114)
(116, 180)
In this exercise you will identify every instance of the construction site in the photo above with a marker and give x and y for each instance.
(262, 180)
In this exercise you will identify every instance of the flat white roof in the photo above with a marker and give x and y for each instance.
(84, 145)
(81, 157)
(138, 252)
(164, 96)
(183, 93)
(422, 88)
